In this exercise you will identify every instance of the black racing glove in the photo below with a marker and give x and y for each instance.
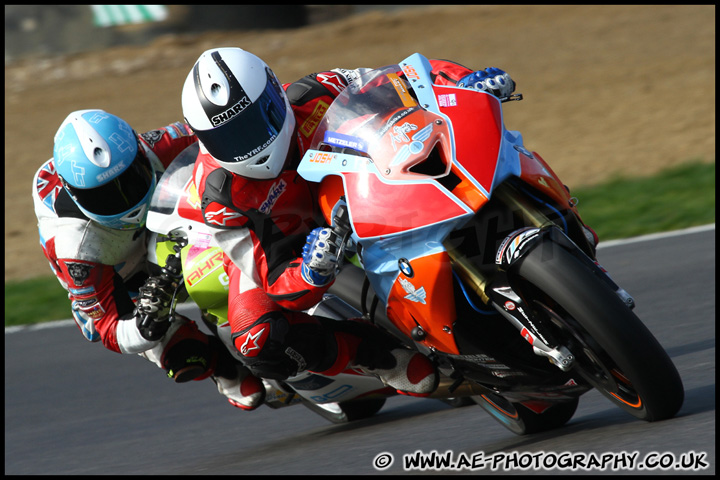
(152, 309)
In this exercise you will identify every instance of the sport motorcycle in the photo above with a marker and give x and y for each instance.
(467, 246)
(177, 227)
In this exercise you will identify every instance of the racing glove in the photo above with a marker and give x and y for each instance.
(152, 310)
(491, 80)
(320, 256)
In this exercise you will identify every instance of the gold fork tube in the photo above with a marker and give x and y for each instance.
(508, 195)
(467, 271)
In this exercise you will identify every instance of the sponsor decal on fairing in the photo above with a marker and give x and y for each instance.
(400, 133)
(410, 72)
(413, 148)
(321, 157)
(447, 100)
(204, 269)
(414, 295)
(345, 141)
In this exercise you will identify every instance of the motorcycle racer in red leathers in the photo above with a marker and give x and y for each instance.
(252, 133)
(91, 201)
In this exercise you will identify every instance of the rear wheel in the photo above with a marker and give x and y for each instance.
(614, 350)
(345, 412)
(458, 402)
(527, 417)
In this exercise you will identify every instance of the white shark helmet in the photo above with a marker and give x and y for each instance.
(102, 166)
(239, 112)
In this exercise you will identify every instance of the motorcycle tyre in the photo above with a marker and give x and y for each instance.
(458, 402)
(651, 384)
(348, 411)
(521, 420)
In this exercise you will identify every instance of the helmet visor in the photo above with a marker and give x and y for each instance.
(248, 132)
(120, 194)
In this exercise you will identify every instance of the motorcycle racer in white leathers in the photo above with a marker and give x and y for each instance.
(91, 201)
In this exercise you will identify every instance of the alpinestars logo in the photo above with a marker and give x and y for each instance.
(220, 215)
(413, 294)
(275, 191)
(254, 341)
(332, 81)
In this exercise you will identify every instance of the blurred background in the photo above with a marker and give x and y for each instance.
(608, 89)
(63, 29)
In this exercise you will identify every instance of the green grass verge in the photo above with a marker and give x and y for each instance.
(674, 199)
(36, 300)
(624, 207)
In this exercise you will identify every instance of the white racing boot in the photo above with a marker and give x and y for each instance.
(407, 371)
(246, 391)
(591, 236)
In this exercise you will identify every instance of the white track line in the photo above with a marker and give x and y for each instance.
(601, 245)
(655, 236)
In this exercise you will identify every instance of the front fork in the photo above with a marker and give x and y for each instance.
(503, 299)
(501, 296)
(519, 203)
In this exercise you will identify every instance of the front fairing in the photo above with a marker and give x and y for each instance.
(417, 161)
(175, 204)
(411, 154)
(175, 214)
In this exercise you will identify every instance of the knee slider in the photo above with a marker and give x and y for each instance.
(373, 345)
(223, 364)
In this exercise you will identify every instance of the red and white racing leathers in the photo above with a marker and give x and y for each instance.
(262, 225)
(101, 268)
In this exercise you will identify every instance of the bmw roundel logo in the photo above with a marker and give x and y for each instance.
(405, 267)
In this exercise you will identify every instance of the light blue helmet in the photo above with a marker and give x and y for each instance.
(104, 169)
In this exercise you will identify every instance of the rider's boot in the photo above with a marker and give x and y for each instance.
(591, 236)
(366, 347)
(188, 354)
(234, 380)
(245, 390)
(407, 371)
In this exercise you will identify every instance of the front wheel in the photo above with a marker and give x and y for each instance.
(614, 350)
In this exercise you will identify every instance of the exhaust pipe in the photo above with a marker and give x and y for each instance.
(465, 389)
